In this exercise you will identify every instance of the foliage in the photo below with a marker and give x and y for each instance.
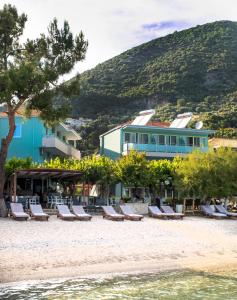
(15, 163)
(57, 163)
(90, 133)
(132, 170)
(97, 169)
(191, 70)
(197, 65)
(211, 174)
(30, 71)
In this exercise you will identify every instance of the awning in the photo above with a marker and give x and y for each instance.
(48, 173)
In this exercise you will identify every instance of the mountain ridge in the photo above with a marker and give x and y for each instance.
(190, 70)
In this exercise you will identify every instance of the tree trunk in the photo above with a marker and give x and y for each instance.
(3, 156)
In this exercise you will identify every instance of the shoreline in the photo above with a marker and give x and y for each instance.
(57, 250)
(231, 266)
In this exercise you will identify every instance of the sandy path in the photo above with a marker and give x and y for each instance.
(40, 250)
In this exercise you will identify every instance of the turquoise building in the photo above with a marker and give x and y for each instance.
(157, 142)
(33, 139)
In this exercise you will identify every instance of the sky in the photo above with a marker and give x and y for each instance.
(114, 26)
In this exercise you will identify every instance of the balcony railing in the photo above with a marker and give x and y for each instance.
(57, 147)
(162, 148)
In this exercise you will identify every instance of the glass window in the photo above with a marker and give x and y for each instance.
(126, 137)
(182, 141)
(190, 141)
(143, 138)
(154, 139)
(197, 142)
(173, 140)
(161, 139)
(129, 137)
(17, 132)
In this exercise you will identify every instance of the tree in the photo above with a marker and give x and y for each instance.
(30, 73)
(15, 163)
(211, 174)
(132, 170)
(98, 170)
(159, 172)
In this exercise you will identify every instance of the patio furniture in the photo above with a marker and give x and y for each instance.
(24, 201)
(208, 211)
(80, 214)
(110, 214)
(221, 209)
(169, 210)
(33, 200)
(155, 212)
(53, 201)
(129, 214)
(37, 213)
(64, 213)
(17, 211)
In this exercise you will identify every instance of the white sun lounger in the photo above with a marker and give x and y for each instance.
(17, 211)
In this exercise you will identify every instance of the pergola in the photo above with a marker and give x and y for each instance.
(35, 173)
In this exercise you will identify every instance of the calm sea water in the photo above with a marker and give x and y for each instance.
(176, 285)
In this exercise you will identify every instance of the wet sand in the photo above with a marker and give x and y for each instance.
(58, 249)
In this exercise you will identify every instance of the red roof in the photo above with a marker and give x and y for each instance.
(20, 112)
(158, 124)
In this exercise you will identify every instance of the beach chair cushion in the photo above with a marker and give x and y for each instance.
(109, 210)
(169, 210)
(207, 209)
(18, 211)
(155, 210)
(64, 211)
(127, 210)
(36, 210)
(79, 211)
(221, 209)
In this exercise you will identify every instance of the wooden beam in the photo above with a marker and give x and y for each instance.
(14, 186)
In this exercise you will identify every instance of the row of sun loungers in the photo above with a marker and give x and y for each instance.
(78, 213)
(220, 213)
(166, 213)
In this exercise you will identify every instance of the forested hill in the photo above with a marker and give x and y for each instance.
(191, 65)
(191, 70)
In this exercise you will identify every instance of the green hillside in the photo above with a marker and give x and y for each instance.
(194, 70)
(191, 64)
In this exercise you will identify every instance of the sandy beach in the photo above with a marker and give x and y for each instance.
(54, 249)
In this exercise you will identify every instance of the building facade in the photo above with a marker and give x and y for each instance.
(155, 141)
(33, 139)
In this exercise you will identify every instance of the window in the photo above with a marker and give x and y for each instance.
(190, 141)
(154, 139)
(143, 138)
(130, 137)
(17, 132)
(171, 140)
(161, 139)
(197, 142)
(182, 141)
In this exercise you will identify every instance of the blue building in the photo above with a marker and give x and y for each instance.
(33, 139)
(157, 139)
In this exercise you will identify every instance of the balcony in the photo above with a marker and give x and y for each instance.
(161, 150)
(57, 147)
